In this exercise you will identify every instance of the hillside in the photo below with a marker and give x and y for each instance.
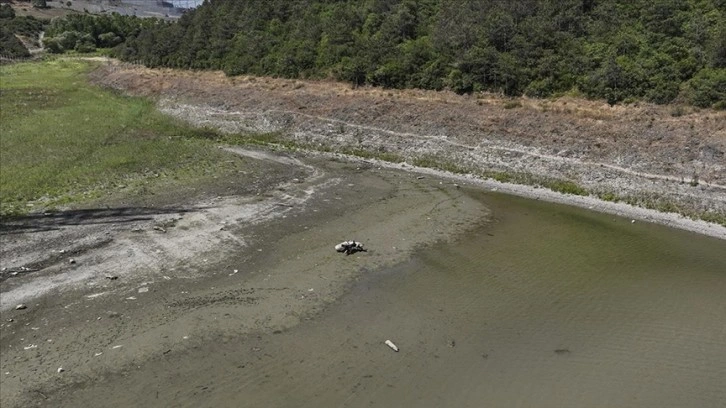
(661, 157)
(659, 51)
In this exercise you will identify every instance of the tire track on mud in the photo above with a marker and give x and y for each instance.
(140, 252)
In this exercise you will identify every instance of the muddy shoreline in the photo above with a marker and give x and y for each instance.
(223, 269)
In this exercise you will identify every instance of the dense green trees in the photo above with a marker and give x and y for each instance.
(619, 50)
(12, 26)
(657, 50)
(85, 32)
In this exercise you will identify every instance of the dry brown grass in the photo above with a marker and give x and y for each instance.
(647, 136)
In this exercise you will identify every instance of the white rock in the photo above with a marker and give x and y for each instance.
(393, 347)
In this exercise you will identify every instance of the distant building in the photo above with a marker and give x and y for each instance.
(182, 4)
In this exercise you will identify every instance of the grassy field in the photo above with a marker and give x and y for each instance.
(64, 141)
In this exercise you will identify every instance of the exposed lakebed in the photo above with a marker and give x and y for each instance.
(548, 306)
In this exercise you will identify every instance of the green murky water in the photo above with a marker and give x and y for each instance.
(548, 306)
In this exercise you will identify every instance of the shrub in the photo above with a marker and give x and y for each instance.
(707, 88)
(53, 45)
(108, 40)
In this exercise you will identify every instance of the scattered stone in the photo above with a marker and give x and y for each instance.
(72, 261)
(116, 347)
(420, 178)
(143, 289)
(632, 221)
(131, 298)
(11, 320)
(113, 314)
(60, 370)
(30, 346)
(158, 228)
(20, 307)
(97, 354)
(562, 351)
(111, 277)
(452, 343)
(390, 344)
(62, 251)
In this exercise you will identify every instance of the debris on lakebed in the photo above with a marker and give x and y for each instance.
(390, 344)
(350, 247)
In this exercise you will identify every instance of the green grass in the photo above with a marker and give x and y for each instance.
(435, 162)
(65, 141)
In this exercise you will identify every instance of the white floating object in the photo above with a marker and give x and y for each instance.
(393, 347)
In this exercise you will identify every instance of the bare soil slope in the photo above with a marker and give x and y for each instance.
(665, 157)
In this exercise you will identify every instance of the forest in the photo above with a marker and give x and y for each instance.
(660, 51)
(619, 50)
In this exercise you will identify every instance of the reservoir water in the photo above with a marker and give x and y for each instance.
(546, 306)
(549, 306)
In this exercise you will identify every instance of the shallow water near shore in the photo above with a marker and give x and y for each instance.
(548, 306)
